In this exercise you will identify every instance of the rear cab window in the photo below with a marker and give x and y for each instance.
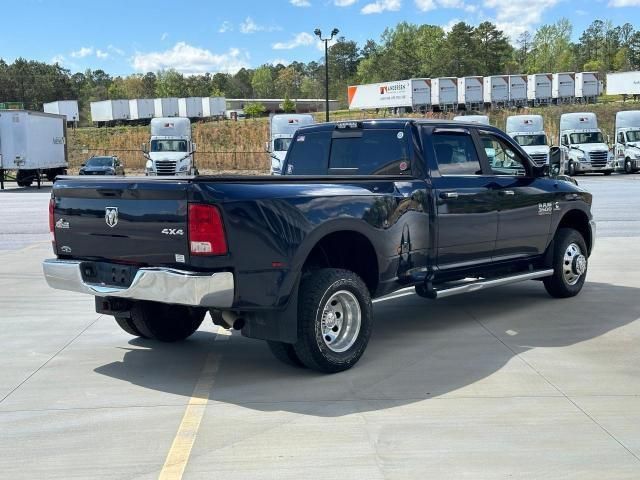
(367, 151)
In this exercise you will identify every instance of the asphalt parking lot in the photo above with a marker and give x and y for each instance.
(503, 383)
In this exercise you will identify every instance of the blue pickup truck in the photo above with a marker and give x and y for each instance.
(362, 209)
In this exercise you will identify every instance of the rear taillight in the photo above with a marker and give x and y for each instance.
(206, 232)
(52, 224)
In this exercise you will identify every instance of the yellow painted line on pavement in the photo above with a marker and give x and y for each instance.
(180, 450)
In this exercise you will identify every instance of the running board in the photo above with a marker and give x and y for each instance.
(495, 282)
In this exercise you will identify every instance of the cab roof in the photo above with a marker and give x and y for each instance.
(390, 123)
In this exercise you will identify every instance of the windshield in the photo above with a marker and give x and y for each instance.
(168, 145)
(281, 144)
(633, 136)
(531, 140)
(100, 162)
(587, 137)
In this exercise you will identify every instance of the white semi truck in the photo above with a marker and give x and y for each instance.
(584, 145)
(528, 132)
(281, 130)
(32, 144)
(170, 150)
(627, 145)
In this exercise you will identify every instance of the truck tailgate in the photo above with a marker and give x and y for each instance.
(142, 221)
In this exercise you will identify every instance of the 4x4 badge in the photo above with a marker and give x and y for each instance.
(111, 216)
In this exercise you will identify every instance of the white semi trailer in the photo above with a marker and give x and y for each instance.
(170, 150)
(481, 119)
(517, 90)
(528, 132)
(68, 108)
(470, 92)
(623, 83)
(627, 146)
(585, 147)
(444, 93)
(165, 107)
(281, 130)
(109, 112)
(414, 93)
(539, 88)
(141, 109)
(563, 87)
(190, 107)
(496, 90)
(32, 144)
(587, 87)
(213, 107)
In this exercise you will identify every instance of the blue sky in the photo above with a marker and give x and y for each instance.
(191, 36)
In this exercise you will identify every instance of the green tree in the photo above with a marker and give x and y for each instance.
(288, 105)
(170, 83)
(493, 49)
(254, 109)
(262, 82)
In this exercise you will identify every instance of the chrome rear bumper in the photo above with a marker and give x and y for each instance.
(165, 285)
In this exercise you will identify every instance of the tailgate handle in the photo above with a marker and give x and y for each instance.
(109, 192)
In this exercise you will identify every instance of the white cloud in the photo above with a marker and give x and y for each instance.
(190, 60)
(449, 25)
(517, 16)
(101, 54)
(624, 3)
(83, 52)
(380, 6)
(225, 27)
(116, 50)
(300, 40)
(249, 26)
(427, 5)
(300, 3)
(344, 3)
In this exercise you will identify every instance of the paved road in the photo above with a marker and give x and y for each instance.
(495, 384)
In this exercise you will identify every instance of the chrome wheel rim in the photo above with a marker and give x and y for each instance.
(340, 321)
(574, 264)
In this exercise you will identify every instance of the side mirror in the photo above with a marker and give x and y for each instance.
(83, 164)
(145, 148)
(555, 161)
(266, 147)
(194, 147)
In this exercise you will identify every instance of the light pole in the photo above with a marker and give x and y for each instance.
(326, 41)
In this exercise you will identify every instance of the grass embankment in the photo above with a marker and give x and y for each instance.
(239, 146)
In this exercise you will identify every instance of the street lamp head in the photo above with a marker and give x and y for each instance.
(318, 33)
(334, 32)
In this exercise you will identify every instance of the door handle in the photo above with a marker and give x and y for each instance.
(507, 192)
(448, 195)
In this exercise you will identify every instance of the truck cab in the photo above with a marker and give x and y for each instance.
(584, 144)
(170, 150)
(627, 146)
(528, 132)
(281, 130)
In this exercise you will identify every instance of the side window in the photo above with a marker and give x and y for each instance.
(621, 137)
(376, 152)
(564, 140)
(308, 154)
(503, 160)
(456, 154)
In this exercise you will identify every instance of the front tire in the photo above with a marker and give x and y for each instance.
(166, 323)
(571, 169)
(627, 167)
(335, 319)
(570, 264)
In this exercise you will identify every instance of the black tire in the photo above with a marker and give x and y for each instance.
(166, 323)
(571, 169)
(285, 353)
(316, 289)
(128, 326)
(557, 285)
(627, 166)
(606, 174)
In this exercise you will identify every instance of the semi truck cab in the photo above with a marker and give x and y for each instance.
(281, 130)
(627, 145)
(528, 132)
(170, 150)
(584, 144)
